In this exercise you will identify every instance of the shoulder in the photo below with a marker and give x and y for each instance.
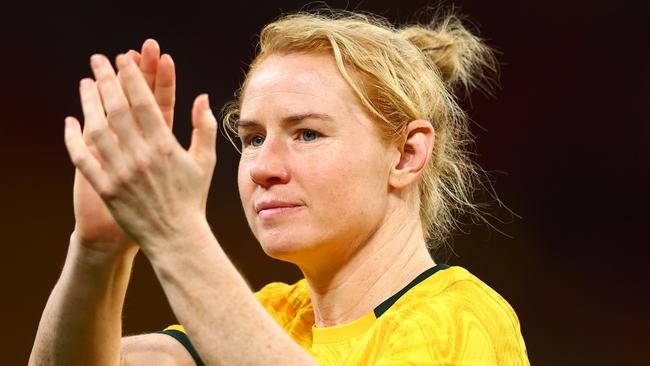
(455, 289)
(453, 311)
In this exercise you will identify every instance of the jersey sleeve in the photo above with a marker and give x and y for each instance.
(464, 327)
(178, 332)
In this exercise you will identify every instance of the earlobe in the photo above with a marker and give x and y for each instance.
(415, 152)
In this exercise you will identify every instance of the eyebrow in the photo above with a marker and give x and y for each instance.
(292, 119)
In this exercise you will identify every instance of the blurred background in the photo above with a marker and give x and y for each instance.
(566, 140)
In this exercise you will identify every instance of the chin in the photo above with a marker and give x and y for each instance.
(283, 250)
(286, 248)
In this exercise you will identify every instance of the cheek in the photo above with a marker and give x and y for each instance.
(345, 182)
(240, 178)
(245, 185)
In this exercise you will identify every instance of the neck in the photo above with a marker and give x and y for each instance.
(390, 259)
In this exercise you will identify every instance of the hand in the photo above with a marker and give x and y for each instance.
(95, 227)
(153, 187)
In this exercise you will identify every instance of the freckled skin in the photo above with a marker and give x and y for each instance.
(341, 176)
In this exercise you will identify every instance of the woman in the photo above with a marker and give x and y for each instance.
(352, 168)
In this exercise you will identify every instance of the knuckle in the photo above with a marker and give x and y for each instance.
(163, 148)
(96, 134)
(141, 163)
(141, 106)
(107, 192)
(77, 159)
(80, 160)
(119, 111)
(167, 103)
(123, 177)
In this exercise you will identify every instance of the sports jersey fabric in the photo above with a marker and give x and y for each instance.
(445, 316)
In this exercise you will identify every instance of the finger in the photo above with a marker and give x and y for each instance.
(91, 105)
(149, 62)
(83, 159)
(112, 159)
(93, 111)
(165, 91)
(164, 84)
(204, 135)
(115, 104)
(135, 55)
(142, 101)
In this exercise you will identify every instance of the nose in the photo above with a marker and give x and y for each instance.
(269, 166)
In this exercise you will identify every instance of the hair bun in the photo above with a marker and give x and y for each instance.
(461, 57)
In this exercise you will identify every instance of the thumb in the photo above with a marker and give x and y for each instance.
(204, 135)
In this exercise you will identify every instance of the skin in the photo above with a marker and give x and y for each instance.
(81, 323)
(136, 184)
(356, 204)
(156, 191)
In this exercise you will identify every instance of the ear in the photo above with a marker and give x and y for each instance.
(415, 152)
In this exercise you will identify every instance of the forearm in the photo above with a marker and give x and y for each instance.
(81, 323)
(225, 322)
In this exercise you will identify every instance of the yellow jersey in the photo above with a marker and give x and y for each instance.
(445, 316)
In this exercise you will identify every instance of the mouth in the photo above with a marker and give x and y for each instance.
(277, 211)
(270, 209)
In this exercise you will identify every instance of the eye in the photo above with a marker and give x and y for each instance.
(309, 135)
(253, 140)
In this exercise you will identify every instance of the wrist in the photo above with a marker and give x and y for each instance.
(191, 234)
(92, 274)
(101, 254)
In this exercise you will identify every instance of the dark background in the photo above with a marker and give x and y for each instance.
(566, 137)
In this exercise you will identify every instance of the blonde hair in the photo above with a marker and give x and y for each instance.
(400, 75)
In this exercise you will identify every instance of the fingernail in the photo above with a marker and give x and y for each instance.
(84, 83)
(207, 109)
(96, 60)
(123, 61)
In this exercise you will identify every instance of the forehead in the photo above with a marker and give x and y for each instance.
(296, 81)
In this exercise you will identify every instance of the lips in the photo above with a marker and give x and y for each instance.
(275, 205)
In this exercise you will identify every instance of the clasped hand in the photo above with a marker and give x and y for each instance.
(154, 188)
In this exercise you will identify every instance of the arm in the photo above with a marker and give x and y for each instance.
(210, 298)
(157, 191)
(81, 323)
